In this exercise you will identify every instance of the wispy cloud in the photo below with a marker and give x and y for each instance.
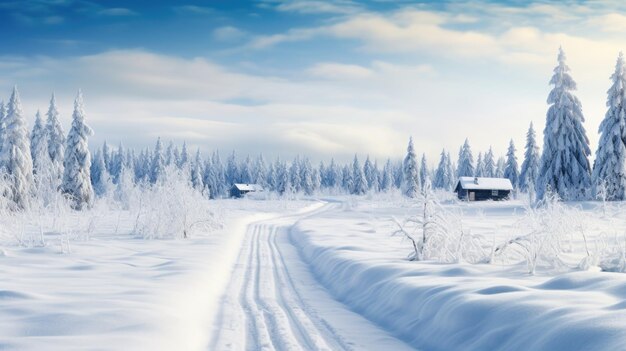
(194, 9)
(117, 11)
(228, 34)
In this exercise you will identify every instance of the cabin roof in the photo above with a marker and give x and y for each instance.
(480, 183)
(248, 187)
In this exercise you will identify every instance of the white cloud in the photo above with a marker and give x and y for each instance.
(228, 33)
(330, 70)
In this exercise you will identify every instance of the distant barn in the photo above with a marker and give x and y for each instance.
(479, 189)
(239, 190)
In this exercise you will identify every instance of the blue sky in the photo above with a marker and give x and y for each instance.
(324, 78)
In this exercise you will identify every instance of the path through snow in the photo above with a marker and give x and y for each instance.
(274, 303)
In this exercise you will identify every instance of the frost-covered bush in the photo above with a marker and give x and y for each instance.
(438, 234)
(543, 235)
(172, 208)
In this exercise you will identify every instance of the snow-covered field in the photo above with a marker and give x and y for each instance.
(462, 306)
(317, 274)
(116, 291)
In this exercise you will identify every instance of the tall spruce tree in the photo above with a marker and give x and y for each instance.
(410, 172)
(17, 161)
(564, 166)
(609, 171)
(77, 162)
(56, 140)
(511, 170)
(530, 166)
(465, 167)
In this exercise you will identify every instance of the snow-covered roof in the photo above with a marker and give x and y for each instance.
(248, 187)
(485, 183)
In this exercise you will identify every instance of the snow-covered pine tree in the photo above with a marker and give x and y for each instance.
(183, 159)
(117, 162)
(107, 156)
(370, 173)
(511, 170)
(564, 166)
(77, 162)
(360, 182)
(295, 175)
(220, 176)
(480, 166)
(489, 164)
(100, 178)
(500, 166)
(260, 172)
(306, 176)
(272, 177)
(451, 180)
(158, 163)
(530, 166)
(347, 179)
(439, 182)
(284, 180)
(168, 156)
(232, 170)
(410, 172)
(196, 171)
(17, 161)
(39, 145)
(609, 170)
(56, 141)
(387, 182)
(465, 167)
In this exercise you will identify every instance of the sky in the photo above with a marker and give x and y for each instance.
(319, 78)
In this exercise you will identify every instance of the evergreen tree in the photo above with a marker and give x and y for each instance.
(196, 171)
(347, 179)
(530, 166)
(56, 141)
(17, 161)
(183, 159)
(465, 168)
(489, 164)
(387, 181)
(261, 173)
(306, 177)
(39, 145)
(100, 178)
(370, 174)
(360, 182)
(609, 171)
(232, 170)
(511, 170)
(106, 156)
(284, 181)
(500, 166)
(564, 166)
(77, 162)
(439, 182)
(480, 166)
(294, 175)
(451, 180)
(410, 179)
(158, 163)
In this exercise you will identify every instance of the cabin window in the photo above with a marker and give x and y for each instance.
(494, 193)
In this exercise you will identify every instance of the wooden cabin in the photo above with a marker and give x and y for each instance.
(239, 190)
(480, 189)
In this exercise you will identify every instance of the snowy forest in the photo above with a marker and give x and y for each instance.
(40, 165)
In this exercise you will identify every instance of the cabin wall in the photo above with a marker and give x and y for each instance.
(483, 195)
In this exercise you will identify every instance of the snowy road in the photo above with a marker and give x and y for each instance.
(273, 302)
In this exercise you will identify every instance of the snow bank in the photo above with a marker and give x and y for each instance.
(459, 306)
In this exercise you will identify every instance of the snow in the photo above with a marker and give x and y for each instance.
(435, 306)
(478, 183)
(312, 274)
(248, 187)
(115, 291)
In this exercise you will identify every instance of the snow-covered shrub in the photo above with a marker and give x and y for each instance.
(438, 234)
(171, 208)
(547, 232)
